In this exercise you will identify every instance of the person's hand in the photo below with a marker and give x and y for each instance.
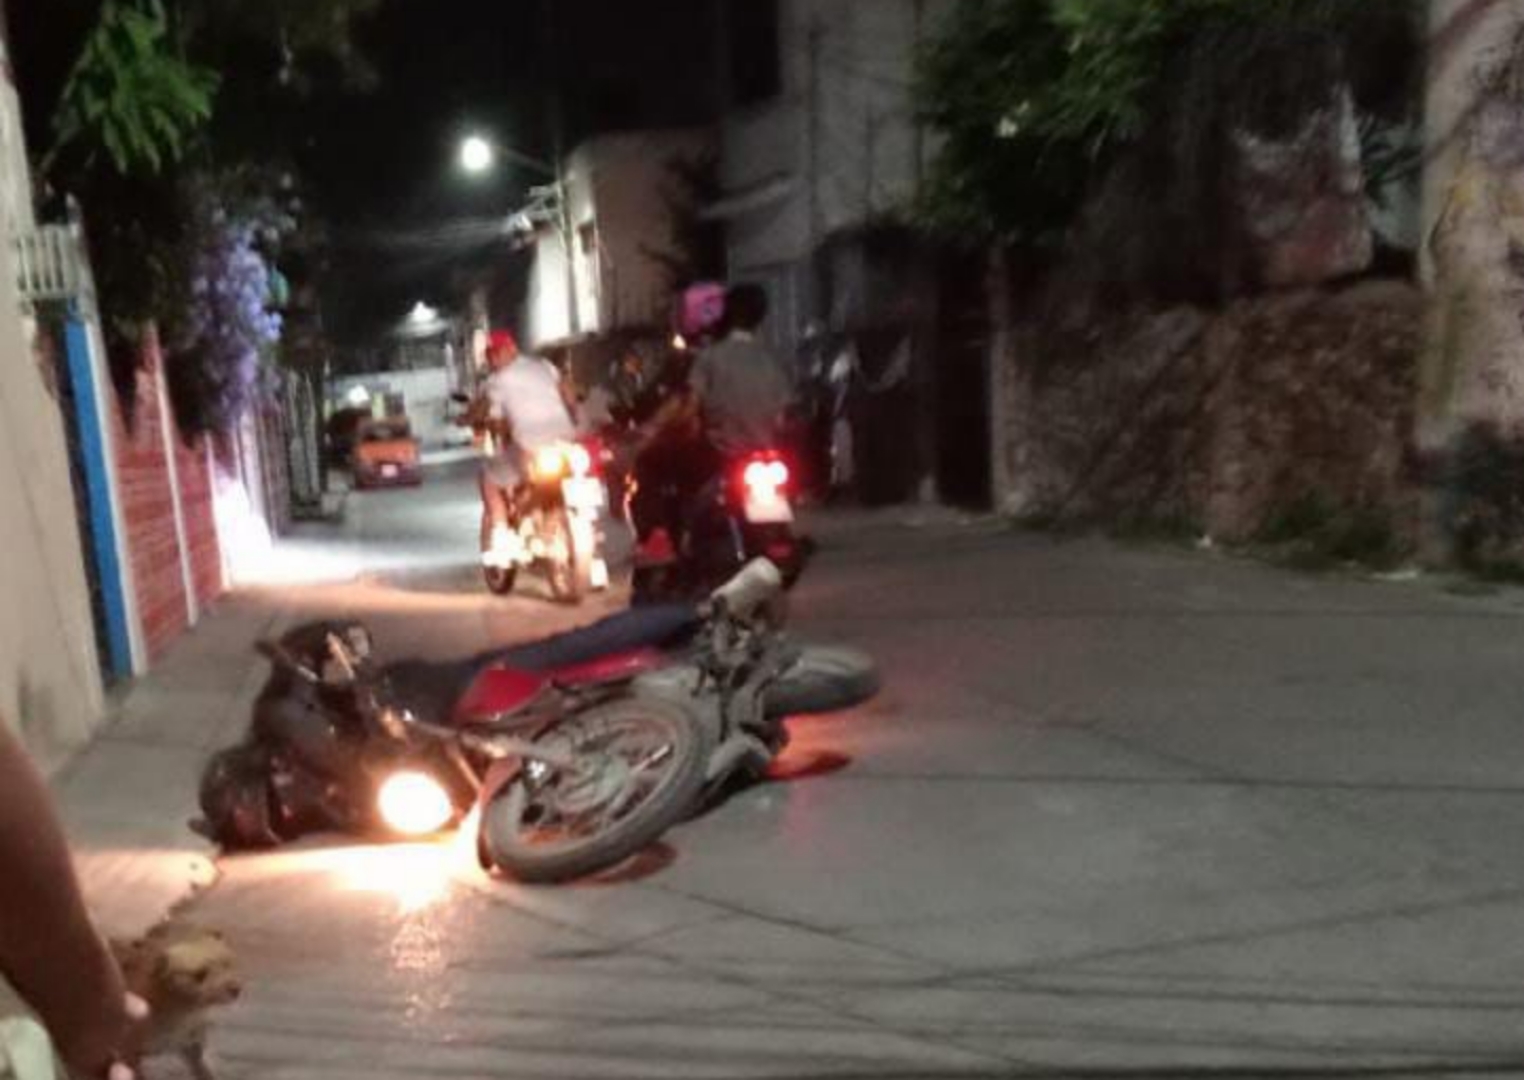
(108, 1047)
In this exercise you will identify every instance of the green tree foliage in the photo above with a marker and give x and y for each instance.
(296, 35)
(1035, 99)
(130, 96)
(152, 129)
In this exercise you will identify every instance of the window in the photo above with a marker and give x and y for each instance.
(755, 44)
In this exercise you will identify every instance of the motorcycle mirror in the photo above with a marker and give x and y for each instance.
(757, 583)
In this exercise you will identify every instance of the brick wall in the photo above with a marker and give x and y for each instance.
(148, 512)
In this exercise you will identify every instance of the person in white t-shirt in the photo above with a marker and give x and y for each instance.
(527, 405)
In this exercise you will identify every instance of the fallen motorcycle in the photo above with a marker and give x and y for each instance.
(578, 751)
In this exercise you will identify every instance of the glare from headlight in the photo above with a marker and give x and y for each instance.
(415, 804)
(549, 462)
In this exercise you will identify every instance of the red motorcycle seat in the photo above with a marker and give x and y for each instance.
(610, 669)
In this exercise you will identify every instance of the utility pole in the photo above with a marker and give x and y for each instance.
(558, 150)
(918, 129)
(870, 160)
(817, 36)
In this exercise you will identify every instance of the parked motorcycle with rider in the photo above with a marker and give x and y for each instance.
(576, 752)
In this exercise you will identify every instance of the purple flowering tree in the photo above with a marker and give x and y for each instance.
(222, 345)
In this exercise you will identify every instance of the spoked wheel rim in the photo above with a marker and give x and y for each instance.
(630, 759)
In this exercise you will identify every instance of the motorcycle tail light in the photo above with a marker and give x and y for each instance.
(763, 475)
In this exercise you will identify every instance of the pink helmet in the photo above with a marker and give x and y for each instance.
(700, 309)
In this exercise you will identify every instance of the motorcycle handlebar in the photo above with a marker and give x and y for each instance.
(281, 657)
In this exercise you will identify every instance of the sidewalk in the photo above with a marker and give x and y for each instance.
(128, 797)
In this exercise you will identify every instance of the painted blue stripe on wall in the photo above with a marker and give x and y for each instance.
(92, 429)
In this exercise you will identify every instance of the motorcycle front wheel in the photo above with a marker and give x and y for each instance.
(643, 765)
(499, 579)
(822, 679)
(571, 565)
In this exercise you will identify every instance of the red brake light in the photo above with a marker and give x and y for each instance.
(767, 475)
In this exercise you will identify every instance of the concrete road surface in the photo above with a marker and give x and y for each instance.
(1119, 810)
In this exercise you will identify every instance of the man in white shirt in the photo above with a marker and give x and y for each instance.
(527, 405)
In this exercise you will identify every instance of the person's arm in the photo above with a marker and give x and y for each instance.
(494, 413)
(50, 951)
(569, 398)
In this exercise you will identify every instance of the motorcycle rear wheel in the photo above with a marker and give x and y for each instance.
(520, 826)
(823, 679)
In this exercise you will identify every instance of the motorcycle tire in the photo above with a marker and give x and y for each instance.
(670, 803)
(572, 579)
(499, 579)
(823, 679)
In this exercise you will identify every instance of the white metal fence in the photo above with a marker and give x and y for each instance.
(50, 263)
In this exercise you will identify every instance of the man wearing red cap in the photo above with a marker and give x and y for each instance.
(527, 406)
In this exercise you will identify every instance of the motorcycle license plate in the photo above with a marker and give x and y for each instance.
(389, 472)
(583, 493)
(768, 508)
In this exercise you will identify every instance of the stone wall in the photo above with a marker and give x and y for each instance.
(1219, 421)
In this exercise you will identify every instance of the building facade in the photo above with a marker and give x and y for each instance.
(821, 138)
(625, 193)
(822, 160)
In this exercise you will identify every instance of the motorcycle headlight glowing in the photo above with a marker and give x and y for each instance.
(415, 804)
(549, 462)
